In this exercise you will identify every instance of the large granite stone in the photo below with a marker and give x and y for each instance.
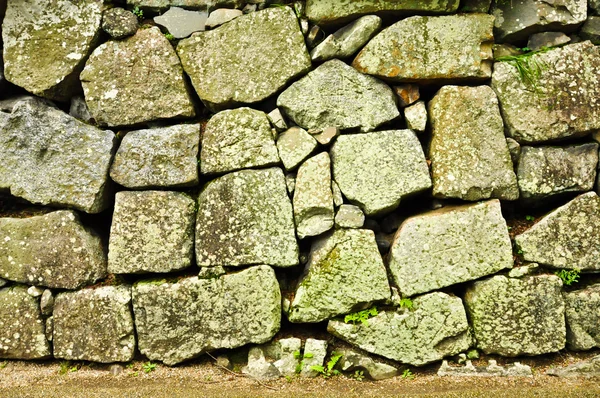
(431, 49)
(179, 321)
(247, 59)
(513, 317)
(52, 250)
(46, 43)
(136, 80)
(561, 103)
(50, 158)
(449, 246)
(337, 95)
(246, 218)
(376, 170)
(468, 151)
(437, 327)
(94, 325)
(583, 317)
(344, 272)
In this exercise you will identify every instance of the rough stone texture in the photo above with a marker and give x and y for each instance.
(313, 199)
(349, 216)
(515, 150)
(353, 360)
(182, 23)
(338, 199)
(591, 30)
(161, 5)
(335, 94)
(165, 157)
(94, 325)
(407, 94)
(492, 370)
(275, 359)
(46, 43)
(346, 41)
(246, 218)
(449, 246)
(594, 6)
(567, 237)
(253, 42)
(180, 321)
(339, 11)
(517, 19)
(416, 116)
(583, 316)
(524, 270)
(344, 272)
(237, 139)
(119, 23)
(547, 39)
(221, 16)
(431, 49)
(547, 171)
(437, 327)
(468, 151)
(476, 6)
(21, 326)
(564, 101)
(53, 250)
(145, 80)
(79, 110)
(277, 121)
(586, 368)
(513, 317)
(48, 157)
(327, 135)
(376, 170)
(47, 302)
(318, 350)
(294, 146)
(259, 367)
(152, 231)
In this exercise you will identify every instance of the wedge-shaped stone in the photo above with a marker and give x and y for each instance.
(246, 218)
(566, 237)
(135, 80)
(294, 146)
(563, 102)
(468, 151)
(337, 95)
(247, 59)
(376, 170)
(94, 325)
(48, 157)
(46, 43)
(431, 49)
(437, 327)
(152, 231)
(237, 139)
(583, 317)
(449, 246)
(52, 250)
(345, 272)
(513, 317)
(179, 321)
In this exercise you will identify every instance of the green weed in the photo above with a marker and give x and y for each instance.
(138, 12)
(361, 316)
(328, 370)
(149, 367)
(568, 276)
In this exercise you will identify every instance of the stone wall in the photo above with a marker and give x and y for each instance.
(417, 179)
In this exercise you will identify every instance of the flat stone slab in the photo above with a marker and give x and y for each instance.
(353, 360)
(515, 369)
(119, 23)
(203, 5)
(181, 23)
(253, 43)
(586, 368)
(583, 317)
(53, 250)
(513, 317)
(94, 325)
(246, 218)
(448, 246)
(294, 146)
(180, 321)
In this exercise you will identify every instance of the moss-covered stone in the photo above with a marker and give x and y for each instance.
(203, 5)
(294, 146)
(583, 317)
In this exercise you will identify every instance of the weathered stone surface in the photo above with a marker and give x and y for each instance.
(52, 250)
(79, 110)
(294, 146)
(476, 6)
(275, 359)
(259, 367)
(344, 272)
(338, 11)
(47, 302)
(450, 245)
(547, 171)
(182, 23)
(349, 216)
(318, 351)
(35, 291)
(348, 40)
(48, 157)
(327, 135)
(21, 325)
(515, 150)
(94, 325)
(145, 80)
(237, 139)
(492, 370)
(594, 6)
(221, 16)
(538, 41)
(214, 59)
(152, 231)
(431, 49)
(407, 94)
(524, 270)
(313, 199)
(338, 199)
(335, 94)
(119, 23)
(188, 4)
(468, 150)
(376, 170)
(515, 20)
(513, 317)
(566, 237)
(583, 316)
(46, 43)
(180, 321)
(416, 116)
(591, 30)
(562, 103)
(587, 368)
(437, 327)
(353, 360)
(246, 218)
(165, 157)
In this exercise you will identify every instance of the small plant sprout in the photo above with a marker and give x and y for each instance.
(361, 316)
(406, 303)
(568, 276)
(358, 375)
(138, 12)
(407, 374)
(328, 370)
(529, 218)
(298, 355)
(169, 36)
(149, 367)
